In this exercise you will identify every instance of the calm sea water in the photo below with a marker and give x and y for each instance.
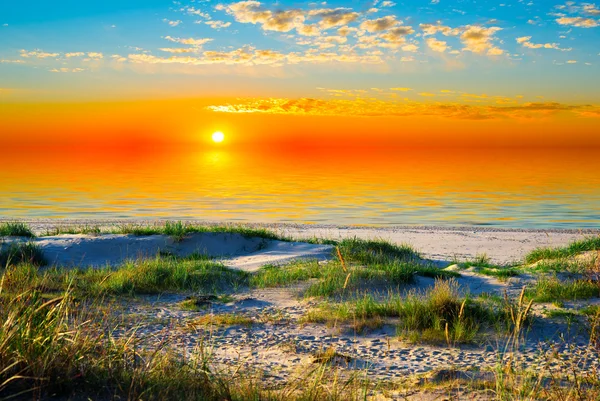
(519, 189)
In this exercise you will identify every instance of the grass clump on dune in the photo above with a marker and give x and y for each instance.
(223, 319)
(180, 229)
(379, 251)
(588, 244)
(159, 275)
(439, 315)
(360, 263)
(15, 229)
(49, 350)
(22, 252)
(176, 229)
(80, 229)
(144, 276)
(54, 349)
(552, 289)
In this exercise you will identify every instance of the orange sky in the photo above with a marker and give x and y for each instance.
(323, 124)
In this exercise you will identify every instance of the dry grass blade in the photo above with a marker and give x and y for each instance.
(341, 258)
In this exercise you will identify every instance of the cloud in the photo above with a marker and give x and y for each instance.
(254, 13)
(179, 50)
(429, 29)
(333, 17)
(38, 54)
(379, 24)
(478, 39)
(475, 38)
(172, 23)
(580, 22)
(525, 41)
(95, 55)
(74, 54)
(65, 69)
(218, 24)
(436, 45)
(189, 41)
(401, 89)
(591, 9)
(250, 56)
(361, 107)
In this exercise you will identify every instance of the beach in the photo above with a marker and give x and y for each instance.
(278, 302)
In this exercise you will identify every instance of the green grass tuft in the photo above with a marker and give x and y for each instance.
(375, 251)
(499, 272)
(553, 289)
(588, 244)
(82, 229)
(21, 253)
(440, 315)
(180, 229)
(223, 319)
(15, 229)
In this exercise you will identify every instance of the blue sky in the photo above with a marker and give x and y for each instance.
(152, 49)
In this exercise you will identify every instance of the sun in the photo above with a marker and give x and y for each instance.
(218, 137)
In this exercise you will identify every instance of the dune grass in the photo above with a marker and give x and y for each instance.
(179, 230)
(15, 229)
(79, 229)
(441, 314)
(51, 349)
(222, 319)
(551, 289)
(176, 229)
(360, 263)
(588, 244)
(144, 276)
(335, 277)
(20, 253)
(377, 251)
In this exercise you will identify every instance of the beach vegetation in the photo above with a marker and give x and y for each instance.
(15, 229)
(551, 289)
(21, 252)
(440, 314)
(591, 243)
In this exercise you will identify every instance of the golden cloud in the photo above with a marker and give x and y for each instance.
(436, 45)
(333, 17)
(361, 107)
(580, 22)
(525, 41)
(478, 39)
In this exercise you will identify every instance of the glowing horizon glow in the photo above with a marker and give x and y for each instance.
(218, 137)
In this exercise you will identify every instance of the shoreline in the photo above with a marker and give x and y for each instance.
(44, 223)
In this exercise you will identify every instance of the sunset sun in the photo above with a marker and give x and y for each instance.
(218, 137)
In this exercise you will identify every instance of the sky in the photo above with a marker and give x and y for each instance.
(356, 73)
